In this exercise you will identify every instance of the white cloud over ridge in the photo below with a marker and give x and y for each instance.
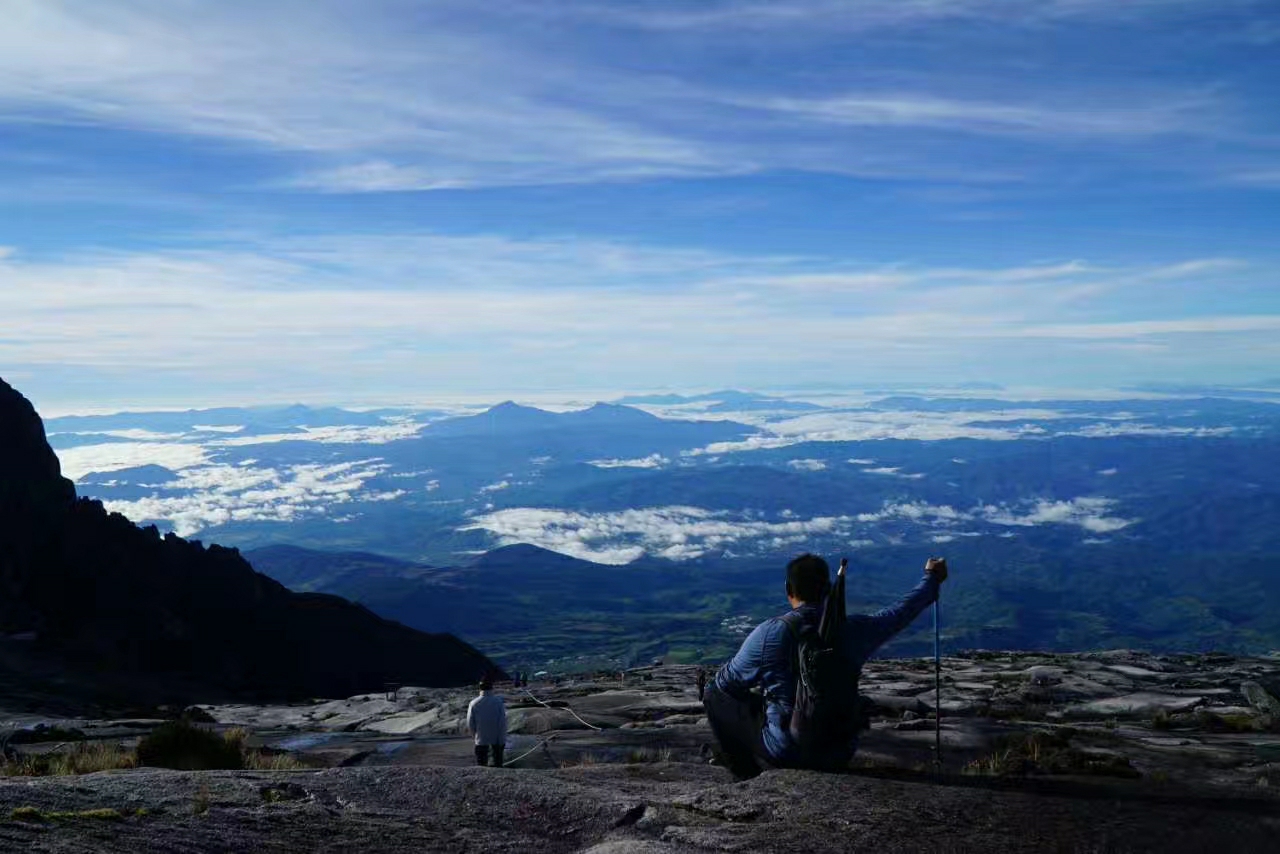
(863, 425)
(352, 434)
(675, 532)
(217, 494)
(652, 461)
(807, 465)
(684, 533)
(114, 456)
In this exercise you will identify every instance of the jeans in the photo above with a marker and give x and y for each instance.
(736, 725)
(482, 754)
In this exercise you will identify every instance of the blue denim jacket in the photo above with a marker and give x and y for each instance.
(766, 656)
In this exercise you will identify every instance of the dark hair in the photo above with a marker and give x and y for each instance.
(808, 578)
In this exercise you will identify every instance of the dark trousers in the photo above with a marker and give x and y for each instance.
(482, 754)
(736, 724)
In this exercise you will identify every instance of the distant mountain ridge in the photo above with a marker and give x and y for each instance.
(178, 619)
(728, 400)
(512, 418)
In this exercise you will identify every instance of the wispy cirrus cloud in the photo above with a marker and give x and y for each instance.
(924, 110)
(378, 97)
(861, 15)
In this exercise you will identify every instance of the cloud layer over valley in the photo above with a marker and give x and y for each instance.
(682, 532)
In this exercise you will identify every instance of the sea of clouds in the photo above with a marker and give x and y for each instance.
(211, 483)
(681, 532)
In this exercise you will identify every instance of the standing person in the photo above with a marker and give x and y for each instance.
(753, 727)
(487, 721)
(702, 683)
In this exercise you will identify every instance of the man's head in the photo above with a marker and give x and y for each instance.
(486, 684)
(808, 578)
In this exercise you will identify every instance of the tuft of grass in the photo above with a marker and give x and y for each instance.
(200, 803)
(84, 758)
(1021, 754)
(261, 760)
(645, 755)
(236, 737)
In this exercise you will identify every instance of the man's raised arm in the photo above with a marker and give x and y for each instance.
(882, 625)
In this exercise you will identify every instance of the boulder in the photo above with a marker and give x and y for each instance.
(1260, 698)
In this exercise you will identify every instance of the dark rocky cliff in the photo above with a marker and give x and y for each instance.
(111, 598)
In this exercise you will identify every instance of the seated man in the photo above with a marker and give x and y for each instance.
(767, 661)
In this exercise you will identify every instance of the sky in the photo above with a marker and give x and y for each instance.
(388, 201)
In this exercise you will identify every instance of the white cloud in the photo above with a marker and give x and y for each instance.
(774, 17)
(807, 465)
(652, 461)
(495, 487)
(354, 317)
(136, 434)
(376, 96)
(676, 533)
(217, 494)
(114, 456)
(919, 110)
(1102, 431)
(1088, 513)
(683, 532)
(348, 434)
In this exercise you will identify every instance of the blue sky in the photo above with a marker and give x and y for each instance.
(387, 201)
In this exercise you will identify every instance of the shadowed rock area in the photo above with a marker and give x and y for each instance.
(1042, 753)
(95, 609)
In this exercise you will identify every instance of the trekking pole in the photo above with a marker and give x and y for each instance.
(937, 685)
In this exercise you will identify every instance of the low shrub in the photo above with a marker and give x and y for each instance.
(186, 747)
(1021, 754)
(178, 744)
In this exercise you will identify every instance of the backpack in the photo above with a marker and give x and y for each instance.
(828, 712)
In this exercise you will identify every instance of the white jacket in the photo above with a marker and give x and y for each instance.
(487, 718)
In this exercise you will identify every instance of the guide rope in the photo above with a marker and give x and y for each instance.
(565, 708)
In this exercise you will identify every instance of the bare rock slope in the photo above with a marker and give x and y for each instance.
(1112, 751)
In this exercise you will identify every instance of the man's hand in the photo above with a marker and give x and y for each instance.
(936, 567)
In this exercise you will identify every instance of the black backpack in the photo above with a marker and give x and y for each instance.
(828, 712)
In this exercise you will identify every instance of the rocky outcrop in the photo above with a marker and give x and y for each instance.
(652, 808)
(172, 618)
(617, 763)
